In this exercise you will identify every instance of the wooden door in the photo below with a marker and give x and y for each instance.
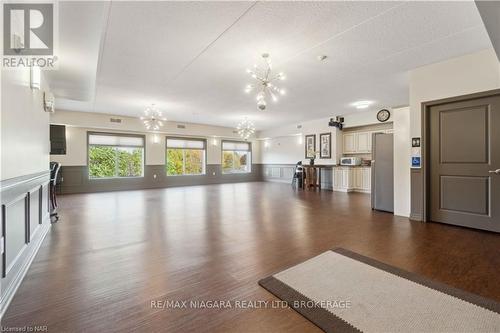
(465, 163)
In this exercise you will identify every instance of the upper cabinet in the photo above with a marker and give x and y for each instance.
(349, 143)
(357, 143)
(363, 142)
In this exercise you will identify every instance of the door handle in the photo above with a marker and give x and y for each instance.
(497, 171)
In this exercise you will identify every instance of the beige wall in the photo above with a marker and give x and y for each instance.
(458, 76)
(402, 151)
(363, 118)
(79, 123)
(454, 77)
(24, 126)
(285, 145)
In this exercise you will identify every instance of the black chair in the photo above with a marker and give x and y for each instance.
(298, 175)
(54, 172)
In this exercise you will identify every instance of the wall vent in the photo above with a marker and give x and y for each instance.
(299, 126)
(181, 126)
(115, 120)
(235, 132)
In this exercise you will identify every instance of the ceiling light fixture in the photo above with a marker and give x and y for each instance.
(362, 104)
(265, 86)
(153, 118)
(245, 129)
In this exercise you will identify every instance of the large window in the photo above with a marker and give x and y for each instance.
(236, 157)
(112, 156)
(185, 157)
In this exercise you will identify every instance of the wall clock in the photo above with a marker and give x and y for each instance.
(383, 115)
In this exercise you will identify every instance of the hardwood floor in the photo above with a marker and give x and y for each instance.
(113, 253)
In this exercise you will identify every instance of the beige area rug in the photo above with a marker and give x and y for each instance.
(342, 291)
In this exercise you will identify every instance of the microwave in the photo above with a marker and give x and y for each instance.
(350, 161)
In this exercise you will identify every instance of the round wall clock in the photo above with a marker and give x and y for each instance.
(383, 115)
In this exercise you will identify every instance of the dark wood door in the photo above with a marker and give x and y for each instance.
(464, 158)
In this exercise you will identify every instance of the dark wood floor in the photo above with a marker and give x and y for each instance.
(111, 254)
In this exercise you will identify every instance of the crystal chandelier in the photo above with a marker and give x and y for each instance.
(153, 118)
(265, 83)
(245, 129)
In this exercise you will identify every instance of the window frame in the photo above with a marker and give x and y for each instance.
(204, 166)
(222, 157)
(142, 136)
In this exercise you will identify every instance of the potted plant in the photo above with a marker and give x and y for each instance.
(311, 160)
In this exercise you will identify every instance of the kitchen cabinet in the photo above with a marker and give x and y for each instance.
(349, 179)
(363, 142)
(349, 145)
(362, 179)
(357, 142)
(342, 179)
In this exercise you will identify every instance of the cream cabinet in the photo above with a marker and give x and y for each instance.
(342, 179)
(362, 179)
(357, 142)
(363, 142)
(349, 179)
(349, 145)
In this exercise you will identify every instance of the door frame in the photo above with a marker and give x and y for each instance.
(425, 146)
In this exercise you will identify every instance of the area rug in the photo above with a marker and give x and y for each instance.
(342, 291)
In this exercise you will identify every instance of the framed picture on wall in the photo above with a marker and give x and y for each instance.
(310, 146)
(325, 145)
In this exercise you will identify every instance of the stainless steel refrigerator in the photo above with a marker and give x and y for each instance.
(383, 172)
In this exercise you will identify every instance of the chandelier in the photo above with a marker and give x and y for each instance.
(265, 86)
(245, 129)
(153, 118)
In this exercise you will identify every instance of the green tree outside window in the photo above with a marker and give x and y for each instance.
(184, 161)
(109, 161)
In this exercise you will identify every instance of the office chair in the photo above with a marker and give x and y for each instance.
(297, 179)
(54, 172)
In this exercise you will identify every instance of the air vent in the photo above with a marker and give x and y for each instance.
(181, 126)
(115, 120)
(235, 132)
(299, 126)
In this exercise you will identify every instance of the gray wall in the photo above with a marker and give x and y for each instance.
(25, 222)
(417, 195)
(76, 180)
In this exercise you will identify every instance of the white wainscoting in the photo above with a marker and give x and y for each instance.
(25, 222)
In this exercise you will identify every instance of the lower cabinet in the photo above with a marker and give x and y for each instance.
(350, 179)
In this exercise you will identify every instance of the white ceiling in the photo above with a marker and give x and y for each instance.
(190, 57)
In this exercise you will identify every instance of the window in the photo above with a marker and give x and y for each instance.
(111, 156)
(185, 157)
(236, 157)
